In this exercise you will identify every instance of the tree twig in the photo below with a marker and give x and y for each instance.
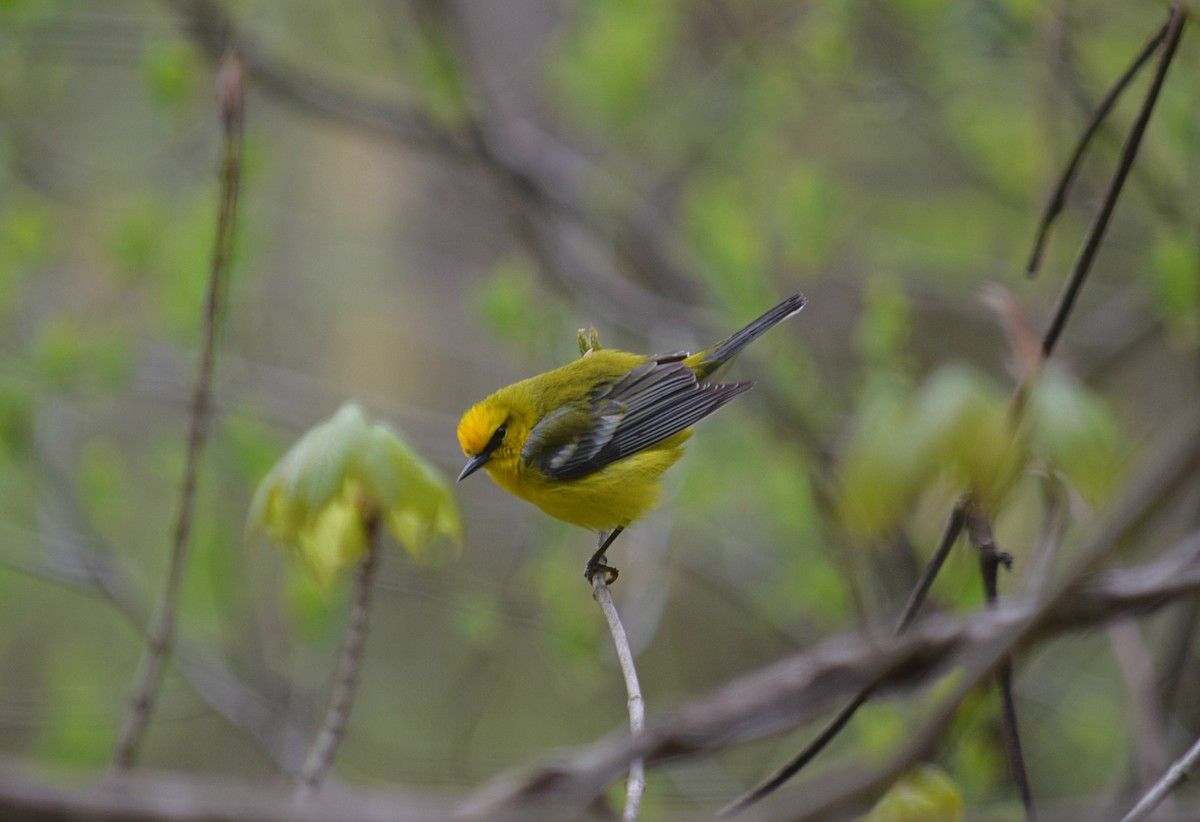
(766, 701)
(954, 526)
(350, 656)
(145, 686)
(1058, 197)
(635, 786)
(796, 688)
(1061, 313)
(1149, 757)
(1099, 225)
(990, 560)
(1174, 776)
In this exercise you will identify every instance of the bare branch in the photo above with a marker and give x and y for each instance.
(774, 698)
(1058, 198)
(1099, 226)
(144, 690)
(950, 533)
(636, 784)
(990, 560)
(333, 726)
(1178, 772)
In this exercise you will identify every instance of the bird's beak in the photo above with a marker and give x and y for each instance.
(474, 464)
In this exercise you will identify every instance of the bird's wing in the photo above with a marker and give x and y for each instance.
(648, 404)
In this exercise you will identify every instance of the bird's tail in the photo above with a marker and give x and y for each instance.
(721, 353)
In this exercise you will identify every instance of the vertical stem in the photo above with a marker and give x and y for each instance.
(333, 726)
(160, 633)
(990, 560)
(635, 786)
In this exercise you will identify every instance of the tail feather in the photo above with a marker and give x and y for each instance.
(727, 349)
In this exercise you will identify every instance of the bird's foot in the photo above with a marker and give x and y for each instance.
(600, 563)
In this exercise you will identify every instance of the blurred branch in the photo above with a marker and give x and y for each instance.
(1099, 225)
(333, 726)
(636, 784)
(91, 571)
(990, 560)
(536, 170)
(1145, 721)
(769, 700)
(1173, 778)
(799, 687)
(954, 526)
(1145, 495)
(1058, 198)
(145, 686)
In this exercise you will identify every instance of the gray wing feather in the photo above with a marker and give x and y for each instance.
(652, 402)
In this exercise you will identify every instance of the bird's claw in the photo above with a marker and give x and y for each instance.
(600, 564)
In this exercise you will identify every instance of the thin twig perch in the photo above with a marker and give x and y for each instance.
(635, 786)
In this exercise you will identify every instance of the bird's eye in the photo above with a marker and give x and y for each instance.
(497, 437)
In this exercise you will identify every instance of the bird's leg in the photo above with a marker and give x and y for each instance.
(599, 562)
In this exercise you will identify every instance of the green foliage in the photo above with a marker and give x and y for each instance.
(506, 298)
(810, 202)
(1075, 433)
(317, 500)
(16, 417)
(925, 794)
(478, 616)
(69, 354)
(958, 427)
(717, 218)
(25, 236)
(881, 337)
(171, 68)
(76, 727)
(611, 56)
(1176, 264)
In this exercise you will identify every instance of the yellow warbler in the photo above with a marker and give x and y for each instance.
(588, 443)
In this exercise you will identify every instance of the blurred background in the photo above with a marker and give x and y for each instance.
(437, 196)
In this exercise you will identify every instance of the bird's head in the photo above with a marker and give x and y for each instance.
(481, 433)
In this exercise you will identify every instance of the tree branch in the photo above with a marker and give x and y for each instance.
(1171, 780)
(772, 699)
(636, 784)
(144, 690)
(1099, 225)
(1058, 197)
(333, 726)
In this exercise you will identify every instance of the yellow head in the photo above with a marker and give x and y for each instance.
(483, 435)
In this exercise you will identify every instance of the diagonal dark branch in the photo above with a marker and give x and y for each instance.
(1099, 225)
(1058, 198)
(1178, 458)
(954, 526)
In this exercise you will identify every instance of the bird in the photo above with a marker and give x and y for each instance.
(588, 442)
